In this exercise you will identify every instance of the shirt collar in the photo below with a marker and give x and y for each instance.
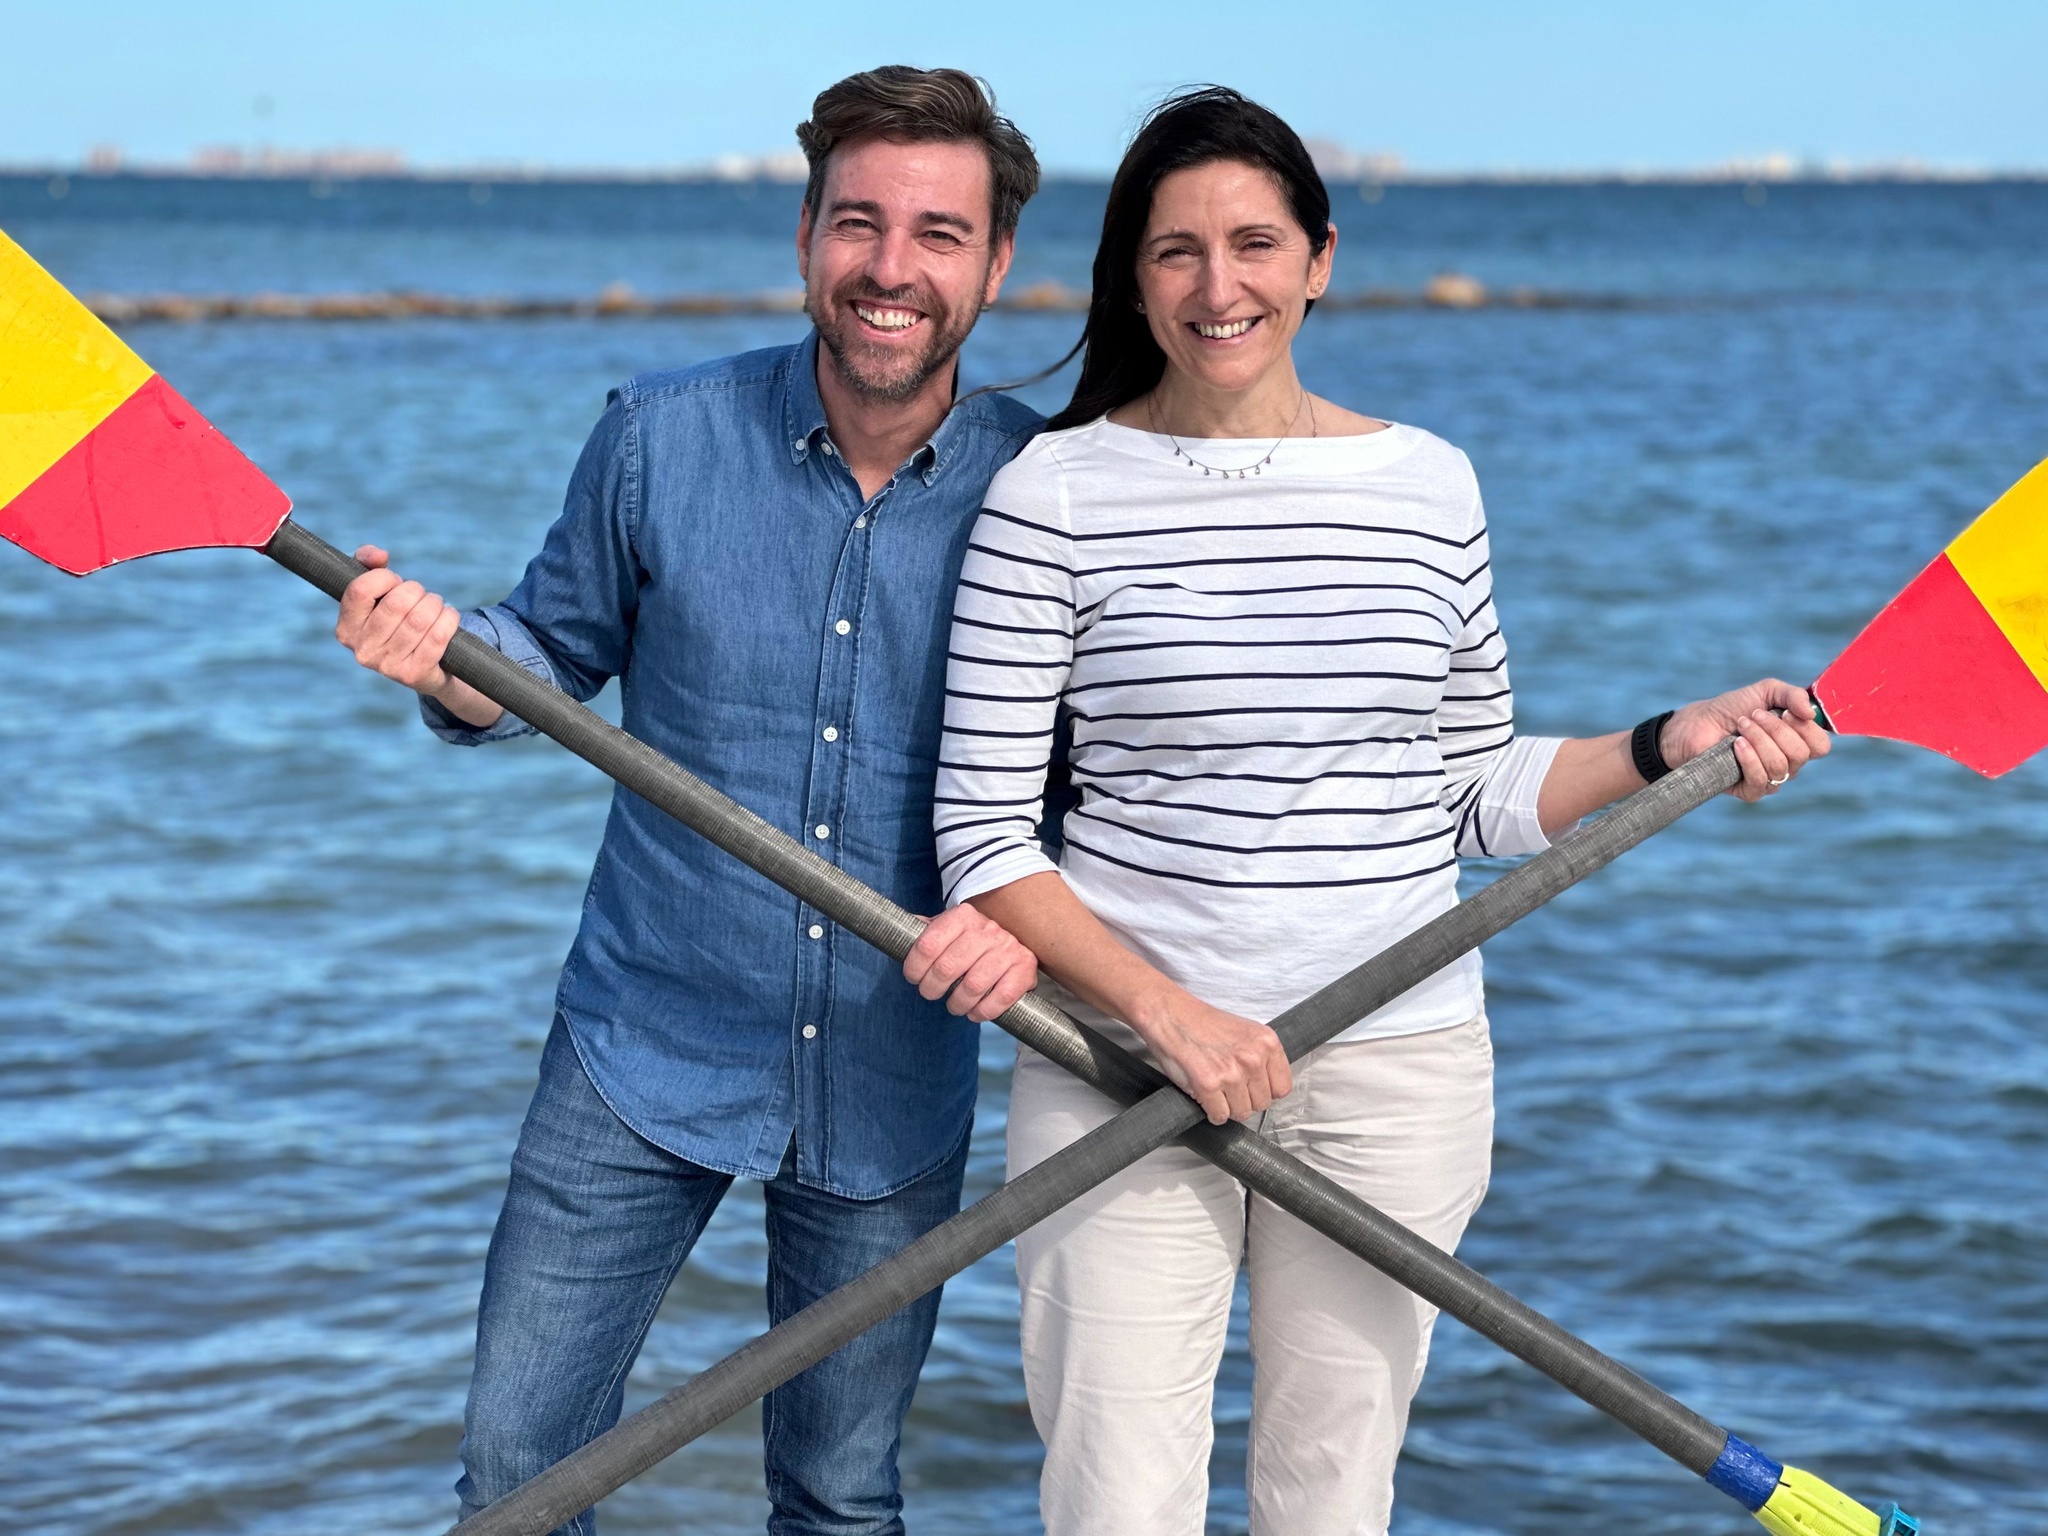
(803, 409)
(804, 417)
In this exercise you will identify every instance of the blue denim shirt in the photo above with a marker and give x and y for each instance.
(785, 641)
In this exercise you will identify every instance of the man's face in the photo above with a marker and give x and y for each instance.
(899, 260)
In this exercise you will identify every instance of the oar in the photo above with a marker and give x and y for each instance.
(1160, 1113)
(1786, 1499)
(113, 464)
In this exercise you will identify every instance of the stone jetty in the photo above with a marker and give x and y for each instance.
(1447, 290)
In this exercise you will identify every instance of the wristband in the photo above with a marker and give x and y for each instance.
(1645, 746)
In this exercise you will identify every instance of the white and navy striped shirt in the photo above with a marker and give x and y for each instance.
(1288, 698)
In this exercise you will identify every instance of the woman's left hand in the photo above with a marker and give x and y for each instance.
(1774, 728)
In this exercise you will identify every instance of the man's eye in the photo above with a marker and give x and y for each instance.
(941, 237)
(855, 226)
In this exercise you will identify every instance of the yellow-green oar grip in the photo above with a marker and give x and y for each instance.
(1803, 1505)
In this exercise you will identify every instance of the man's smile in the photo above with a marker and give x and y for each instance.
(887, 317)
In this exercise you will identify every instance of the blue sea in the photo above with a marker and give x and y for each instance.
(275, 966)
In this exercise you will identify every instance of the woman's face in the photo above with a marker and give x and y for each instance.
(1225, 273)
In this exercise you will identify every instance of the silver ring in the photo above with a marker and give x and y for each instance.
(1774, 783)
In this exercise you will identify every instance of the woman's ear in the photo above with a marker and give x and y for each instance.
(1319, 266)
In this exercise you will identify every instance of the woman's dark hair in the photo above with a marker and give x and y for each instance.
(1120, 360)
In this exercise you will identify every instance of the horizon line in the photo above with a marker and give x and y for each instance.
(756, 171)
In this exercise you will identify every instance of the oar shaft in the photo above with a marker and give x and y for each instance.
(1688, 1438)
(1161, 1115)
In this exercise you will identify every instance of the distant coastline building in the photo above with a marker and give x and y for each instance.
(1339, 162)
(268, 161)
(785, 165)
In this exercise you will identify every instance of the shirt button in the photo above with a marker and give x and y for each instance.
(861, 521)
(817, 930)
(810, 1031)
(831, 733)
(842, 628)
(822, 831)
(827, 447)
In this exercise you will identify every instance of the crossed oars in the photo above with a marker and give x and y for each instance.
(1785, 1498)
(101, 461)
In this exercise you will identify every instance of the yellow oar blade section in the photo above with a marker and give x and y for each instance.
(62, 372)
(1803, 1505)
(2004, 558)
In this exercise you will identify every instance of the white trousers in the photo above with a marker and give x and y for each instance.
(1126, 1295)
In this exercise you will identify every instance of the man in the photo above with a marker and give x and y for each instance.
(764, 550)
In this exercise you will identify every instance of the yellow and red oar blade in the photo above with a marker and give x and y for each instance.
(100, 459)
(1959, 660)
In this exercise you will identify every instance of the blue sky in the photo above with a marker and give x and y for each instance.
(634, 83)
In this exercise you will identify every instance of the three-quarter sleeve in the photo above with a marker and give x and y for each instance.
(570, 620)
(1007, 663)
(1492, 777)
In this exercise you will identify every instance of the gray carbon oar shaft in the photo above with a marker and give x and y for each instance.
(1160, 1115)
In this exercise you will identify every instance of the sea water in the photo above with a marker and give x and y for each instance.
(275, 966)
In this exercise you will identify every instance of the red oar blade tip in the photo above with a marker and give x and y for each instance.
(100, 459)
(1958, 662)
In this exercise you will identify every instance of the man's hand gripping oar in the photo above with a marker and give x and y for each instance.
(107, 463)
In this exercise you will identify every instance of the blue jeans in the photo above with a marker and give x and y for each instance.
(596, 1223)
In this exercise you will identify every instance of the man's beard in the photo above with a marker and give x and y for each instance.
(882, 373)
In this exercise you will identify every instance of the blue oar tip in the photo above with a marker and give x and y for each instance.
(1745, 1474)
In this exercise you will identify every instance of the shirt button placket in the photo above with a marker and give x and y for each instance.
(829, 771)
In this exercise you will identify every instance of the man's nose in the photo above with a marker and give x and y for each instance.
(892, 260)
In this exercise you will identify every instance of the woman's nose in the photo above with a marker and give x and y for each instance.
(1219, 285)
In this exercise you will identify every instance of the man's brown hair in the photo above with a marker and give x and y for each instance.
(920, 106)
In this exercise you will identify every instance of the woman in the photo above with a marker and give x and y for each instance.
(1267, 621)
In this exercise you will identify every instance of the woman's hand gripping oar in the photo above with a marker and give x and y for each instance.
(111, 464)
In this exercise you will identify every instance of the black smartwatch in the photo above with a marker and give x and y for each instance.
(1644, 745)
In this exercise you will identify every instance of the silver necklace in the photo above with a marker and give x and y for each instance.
(1152, 415)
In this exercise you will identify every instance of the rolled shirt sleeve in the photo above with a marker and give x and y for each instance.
(500, 629)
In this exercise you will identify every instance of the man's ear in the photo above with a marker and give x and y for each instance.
(1319, 266)
(803, 242)
(999, 267)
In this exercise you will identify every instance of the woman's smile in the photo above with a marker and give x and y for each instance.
(1224, 331)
